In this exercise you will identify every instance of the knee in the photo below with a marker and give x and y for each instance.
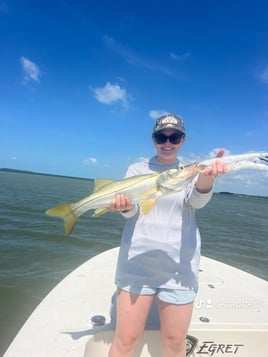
(126, 343)
(174, 343)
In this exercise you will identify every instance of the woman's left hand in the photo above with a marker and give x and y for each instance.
(216, 169)
(206, 177)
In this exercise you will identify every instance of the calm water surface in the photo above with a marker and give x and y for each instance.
(36, 255)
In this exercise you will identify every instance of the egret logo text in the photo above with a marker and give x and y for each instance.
(211, 348)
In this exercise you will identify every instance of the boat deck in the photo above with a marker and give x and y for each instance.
(230, 315)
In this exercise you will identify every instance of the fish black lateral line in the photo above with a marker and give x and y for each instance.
(145, 189)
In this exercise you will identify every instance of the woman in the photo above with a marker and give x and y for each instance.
(160, 252)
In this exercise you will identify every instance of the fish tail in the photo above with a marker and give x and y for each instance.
(67, 214)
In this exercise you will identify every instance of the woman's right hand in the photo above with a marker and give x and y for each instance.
(121, 203)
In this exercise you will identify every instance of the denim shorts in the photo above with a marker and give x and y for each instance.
(171, 296)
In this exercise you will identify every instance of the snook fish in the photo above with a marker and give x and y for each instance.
(146, 189)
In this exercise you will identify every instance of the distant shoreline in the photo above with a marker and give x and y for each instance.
(240, 194)
(90, 179)
(42, 174)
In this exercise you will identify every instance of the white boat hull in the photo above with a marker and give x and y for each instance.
(230, 316)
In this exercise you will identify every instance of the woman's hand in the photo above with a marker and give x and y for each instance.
(121, 203)
(216, 169)
(206, 177)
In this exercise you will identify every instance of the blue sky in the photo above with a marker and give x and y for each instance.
(82, 82)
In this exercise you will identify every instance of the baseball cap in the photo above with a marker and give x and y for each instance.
(169, 121)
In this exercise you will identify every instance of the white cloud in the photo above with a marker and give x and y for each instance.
(181, 57)
(155, 114)
(31, 70)
(111, 93)
(135, 59)
(90, 161)
(263, 75)
(192, 157)
(213, 153)
(244, 181)
(143, 159)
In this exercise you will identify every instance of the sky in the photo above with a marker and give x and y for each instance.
(82, 82)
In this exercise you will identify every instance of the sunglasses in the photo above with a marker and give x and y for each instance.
(173, 138)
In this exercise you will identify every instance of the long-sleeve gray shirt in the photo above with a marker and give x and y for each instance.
(162, 248)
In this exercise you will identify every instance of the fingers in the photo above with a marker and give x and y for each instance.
(121, 203)
(216, 169)
(220, 153)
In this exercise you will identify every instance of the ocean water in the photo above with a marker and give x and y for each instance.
(36, 254)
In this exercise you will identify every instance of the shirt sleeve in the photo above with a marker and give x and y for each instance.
(133, 170)
(131, 213)
(197, 199)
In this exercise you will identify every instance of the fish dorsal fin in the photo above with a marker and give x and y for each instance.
(99, 212)
(147, 204)
(99, 183)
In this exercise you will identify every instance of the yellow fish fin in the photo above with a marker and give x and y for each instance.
(152, 193)
(99, 183)
(99, 212)
(148, 199)
(147, 204)
(66, 213)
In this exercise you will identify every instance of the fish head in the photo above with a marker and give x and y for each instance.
(175, 179)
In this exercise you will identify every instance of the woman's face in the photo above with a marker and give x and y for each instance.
(167, 148)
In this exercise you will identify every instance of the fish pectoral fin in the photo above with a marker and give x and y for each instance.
(99, 212)
(99, 183)
(152, 193)
(67, 214)
(147, 204)
(148, 199)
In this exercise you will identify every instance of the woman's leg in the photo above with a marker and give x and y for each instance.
(131, 316)
(174, 322)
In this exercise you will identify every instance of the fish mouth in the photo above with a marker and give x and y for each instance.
(264, 158)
